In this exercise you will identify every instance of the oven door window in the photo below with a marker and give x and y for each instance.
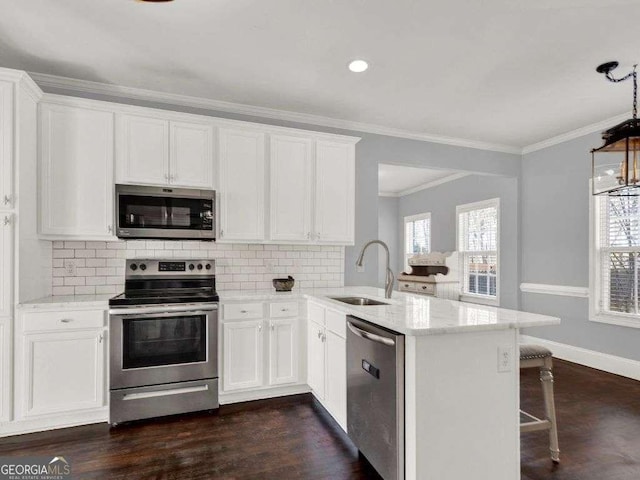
(154, 342)
(139, 211)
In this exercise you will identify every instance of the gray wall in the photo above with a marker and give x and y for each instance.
(555, 246)
(370, 151)
(389, 233)
(442, 200)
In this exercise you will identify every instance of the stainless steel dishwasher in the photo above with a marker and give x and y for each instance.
(375, 395)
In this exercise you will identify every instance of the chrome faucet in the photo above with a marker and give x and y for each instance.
(388, 288)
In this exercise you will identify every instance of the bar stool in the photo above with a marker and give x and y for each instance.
(535, 356)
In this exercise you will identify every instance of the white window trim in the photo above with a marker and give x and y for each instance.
(471, 297)
(595, 274)
(413, 218)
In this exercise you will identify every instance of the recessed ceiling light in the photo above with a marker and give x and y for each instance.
(358, 66)
(154, 1)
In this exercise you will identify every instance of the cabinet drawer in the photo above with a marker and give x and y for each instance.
(236, 311)
(407, 286)
(283, 309)
(60, 321)
(336, 322)
(426, 288)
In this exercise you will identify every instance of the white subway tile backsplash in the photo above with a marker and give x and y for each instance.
(99, 266)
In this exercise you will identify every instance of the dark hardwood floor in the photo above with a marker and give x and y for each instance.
(598, 426)
(293, 438)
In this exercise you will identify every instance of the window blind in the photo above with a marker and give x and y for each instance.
(619, 253)
(478, 246)
(418, 236)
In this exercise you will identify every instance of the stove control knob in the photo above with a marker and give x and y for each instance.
(208, 266)
(199, 266)
(191, 266)
(133, 267)
(143, 267)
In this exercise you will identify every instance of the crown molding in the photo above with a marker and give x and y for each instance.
(424, 186)
(578, 132)
(46, 81)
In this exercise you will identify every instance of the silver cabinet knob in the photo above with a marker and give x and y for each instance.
(273, 327)
(66, 320)
(260, 327)
(244, 311)
(100, 338)
(7, 199)
(7, 220)
(110, 228)
(319, 334)
(166, 176)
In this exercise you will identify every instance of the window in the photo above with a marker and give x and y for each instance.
(478, 247)
(417, 235)
(616, 260)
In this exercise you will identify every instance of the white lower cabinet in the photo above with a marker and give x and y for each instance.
(327, 360)
(259, 354)
(283, 351)
(5, 369)
(243, 366)
(60, 363)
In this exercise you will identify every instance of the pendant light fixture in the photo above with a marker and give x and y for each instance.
(616, 164)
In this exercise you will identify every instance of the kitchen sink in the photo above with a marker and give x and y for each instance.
(362, 301)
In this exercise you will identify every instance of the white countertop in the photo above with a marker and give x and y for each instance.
(406, 313)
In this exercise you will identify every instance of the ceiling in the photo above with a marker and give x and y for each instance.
(509, 72)
(396, 180)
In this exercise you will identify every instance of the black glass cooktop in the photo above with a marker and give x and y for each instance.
(163, 297)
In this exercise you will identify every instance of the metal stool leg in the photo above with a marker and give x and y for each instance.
(546, 378)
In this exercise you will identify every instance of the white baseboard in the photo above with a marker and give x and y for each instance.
(53, 422)
(250, 395)
(624, 367)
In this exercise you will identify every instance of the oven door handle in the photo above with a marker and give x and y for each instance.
(164, 311)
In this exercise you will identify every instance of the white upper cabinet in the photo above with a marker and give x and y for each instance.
(142, 149)
(242, 179)
(6, 263)
(76, 168)
(6, 145)
(335, 192)
(156, 151)
(191, 155)
(290, 187)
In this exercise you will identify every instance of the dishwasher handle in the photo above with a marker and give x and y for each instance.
(370, 336)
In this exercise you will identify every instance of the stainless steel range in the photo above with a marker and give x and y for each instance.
(163, 340)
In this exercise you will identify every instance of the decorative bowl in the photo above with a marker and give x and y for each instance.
(283, 284)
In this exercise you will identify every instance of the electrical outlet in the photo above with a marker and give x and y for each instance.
(360, 268)
(505, 358)
(70, 268)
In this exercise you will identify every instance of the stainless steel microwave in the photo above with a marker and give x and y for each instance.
(165, 213)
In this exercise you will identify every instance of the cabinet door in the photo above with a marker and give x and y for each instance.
(316, 359)
(283, 351)
(191, 155)
(142, 150)
(335, 192)
(76, 172)
(62, 372)
(336, 391)
(243, 354)
(290, 189)
(241, 185)
(6, 145)
(6, 263)
(5, 369)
